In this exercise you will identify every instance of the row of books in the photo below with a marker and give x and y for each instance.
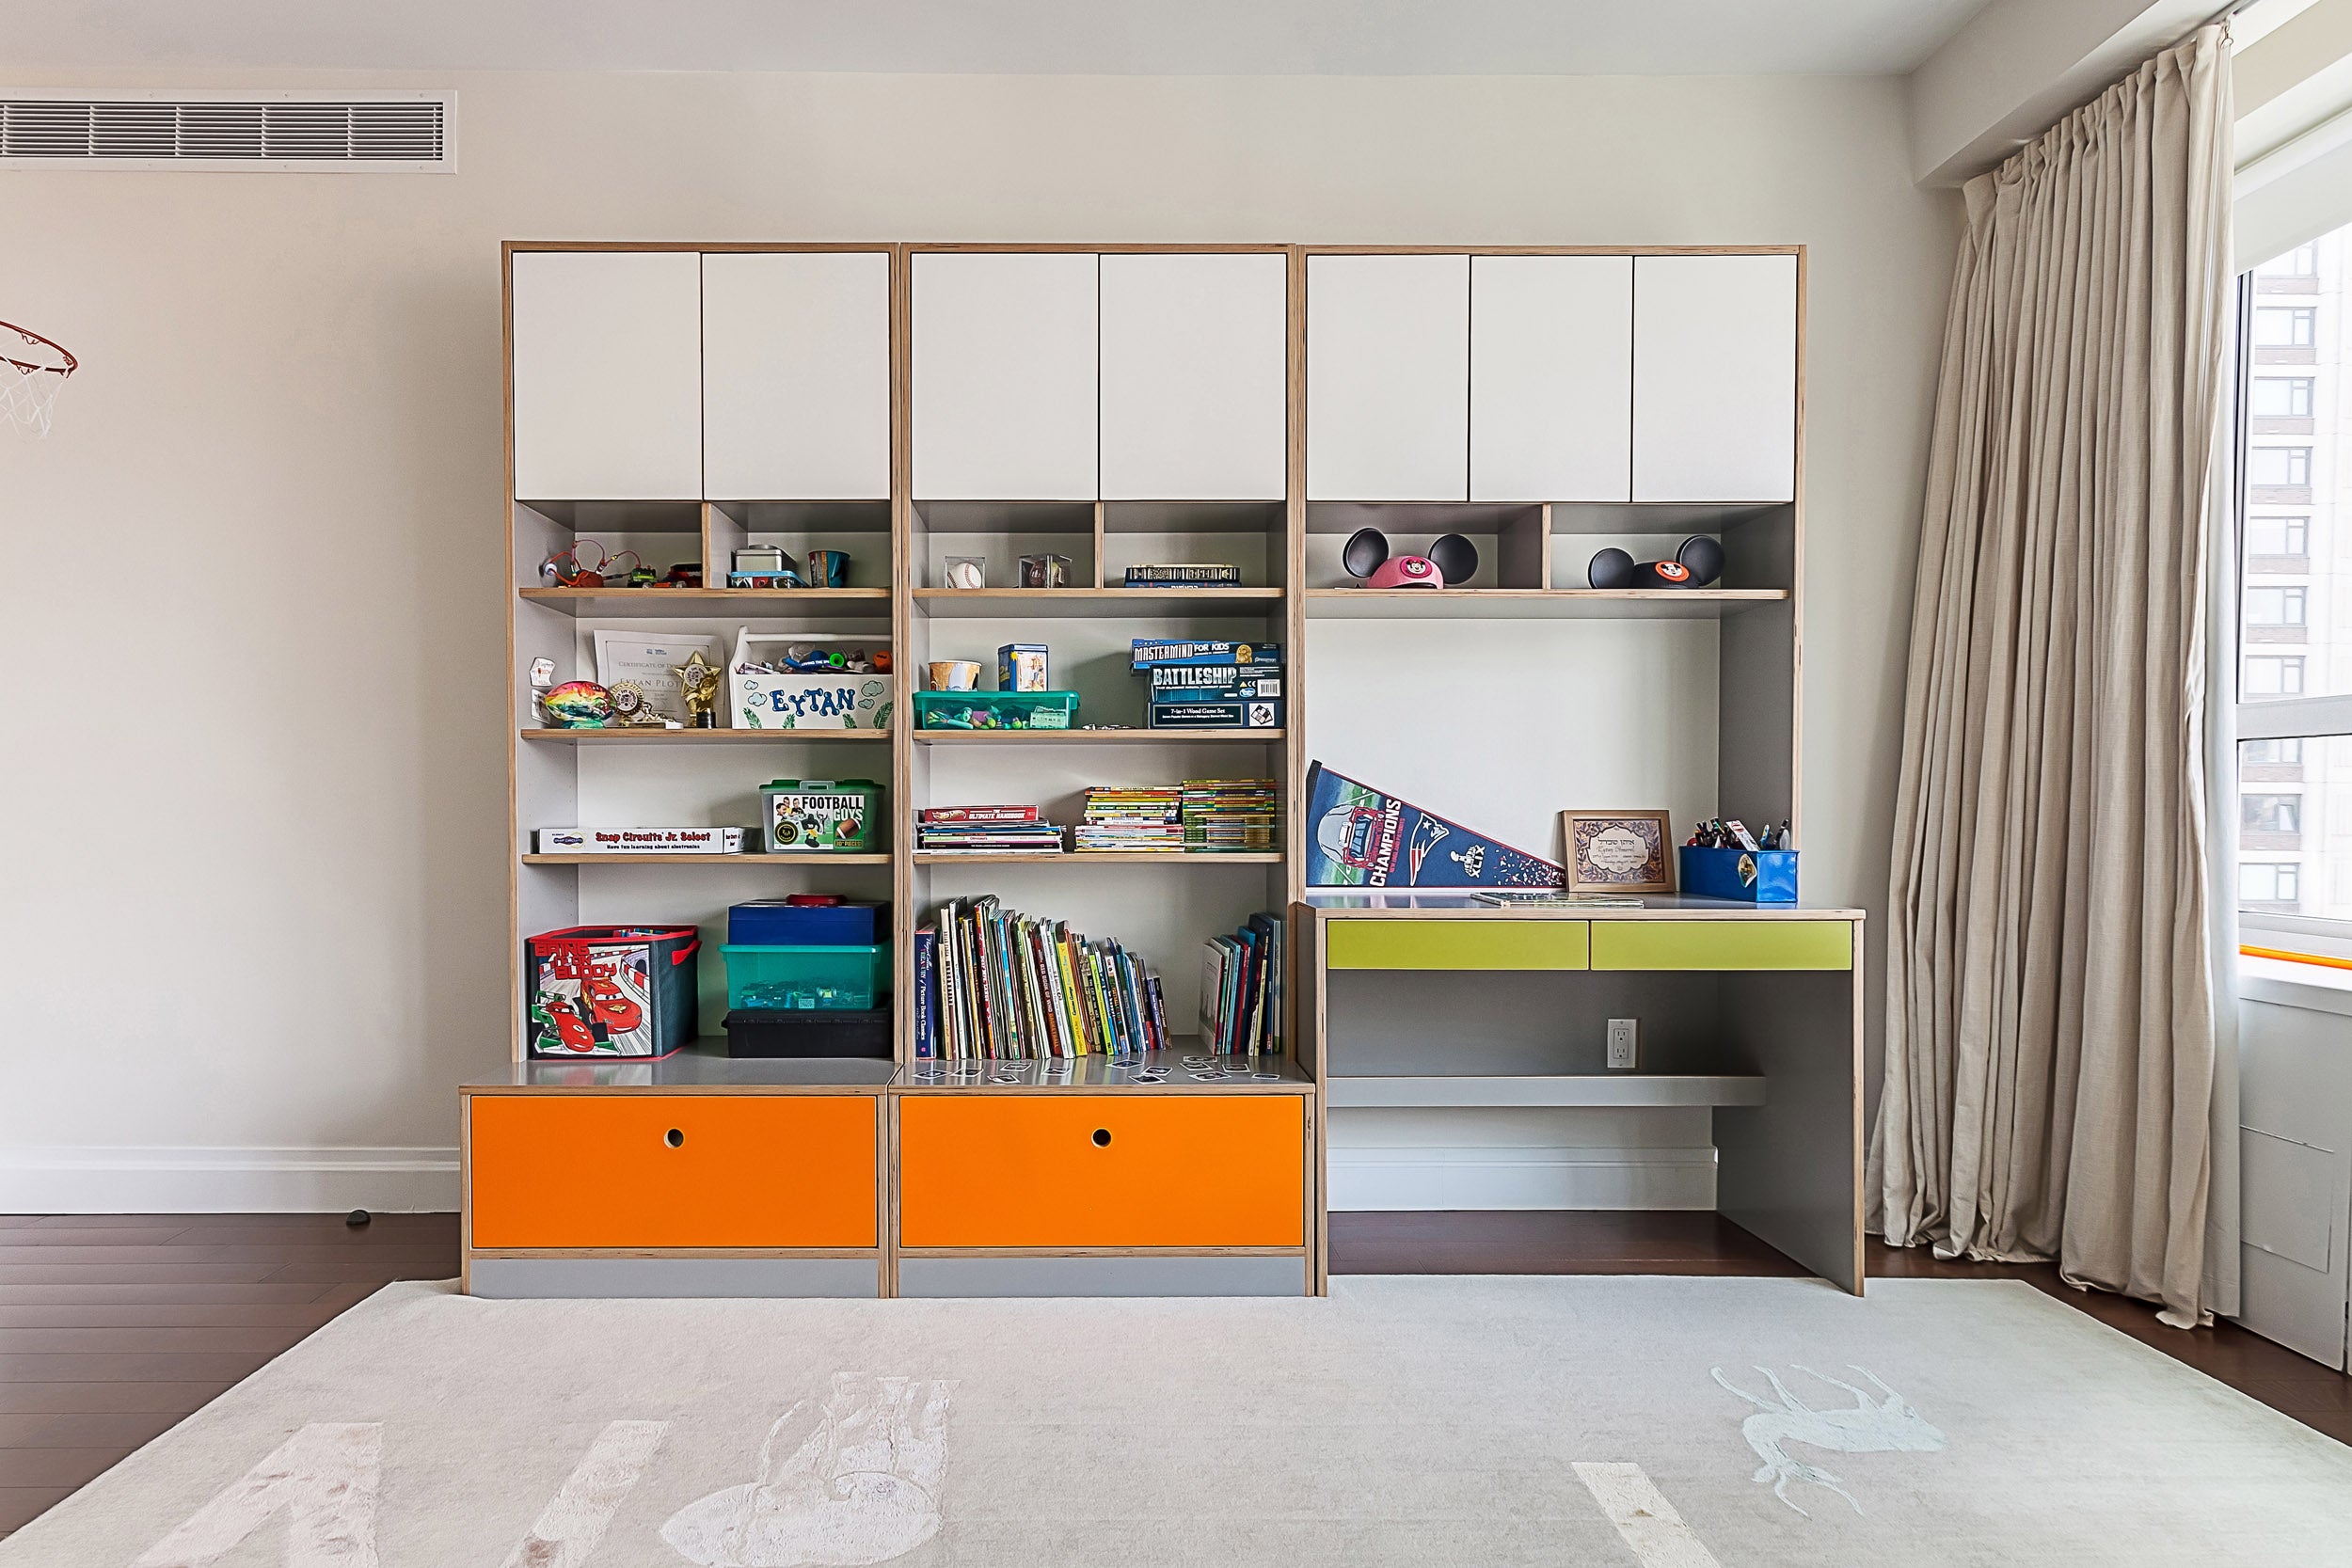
(1210, 815)
(1241, 990)
(992, 982)
(985, 830)
(1141, 818)
(1186, 575)
(1223, 814)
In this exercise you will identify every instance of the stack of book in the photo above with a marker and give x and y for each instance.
(985, 830)
(992, 982)
(1135, 818)
(1212, 685)
(1233, 813)
(1241, 990)
(1185, 576)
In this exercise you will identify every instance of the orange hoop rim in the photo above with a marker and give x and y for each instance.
(25, 367)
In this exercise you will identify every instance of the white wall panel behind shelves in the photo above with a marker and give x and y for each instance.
(1714, 379)
(795, 375)
(608, 375)
(1005, 381)
(1551, 378)
(1388, 378)
(1194, 362)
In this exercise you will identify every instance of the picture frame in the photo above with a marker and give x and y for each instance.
(1618, 851)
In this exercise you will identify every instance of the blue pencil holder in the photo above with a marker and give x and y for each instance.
(1749, 876)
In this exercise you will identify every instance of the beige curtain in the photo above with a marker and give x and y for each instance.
(2049, 1029)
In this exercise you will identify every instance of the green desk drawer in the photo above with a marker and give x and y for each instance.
(1456, 944)
(1722, 945)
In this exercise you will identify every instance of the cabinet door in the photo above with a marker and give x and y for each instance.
(1003, 376)
(796, 376)
(1195, 355)
(608, 375)
(1714, 379)
(1388, 378)
(1551, 378)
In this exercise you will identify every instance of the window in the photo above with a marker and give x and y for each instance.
(2271, 675)
(2270, 813)
(2290, 466)
(2281, 397)
(2278, 536)
(2269, 883)
(2270, 754)
(2302, 262)
(2285, 327)
(2274, 607)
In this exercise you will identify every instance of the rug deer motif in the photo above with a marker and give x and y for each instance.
(1868, 1426)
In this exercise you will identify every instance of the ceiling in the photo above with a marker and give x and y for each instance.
(1370, 38)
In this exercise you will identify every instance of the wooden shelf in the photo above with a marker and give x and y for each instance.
(1012, 603)
(1102, 857)
(706, 737)
(770, 862)
(1464, 1089)
(752, 603)
(1535, 604)
(1093, 737)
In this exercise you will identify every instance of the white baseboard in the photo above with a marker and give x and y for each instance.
(1547, 1177)
(152, 1180)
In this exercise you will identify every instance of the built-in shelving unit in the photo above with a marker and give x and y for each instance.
(1113, 405)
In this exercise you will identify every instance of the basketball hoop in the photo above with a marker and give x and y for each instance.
(31, 375)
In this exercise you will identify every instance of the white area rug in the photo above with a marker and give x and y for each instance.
(1485, 1421)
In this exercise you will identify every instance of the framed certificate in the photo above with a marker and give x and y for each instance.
(1618, 851)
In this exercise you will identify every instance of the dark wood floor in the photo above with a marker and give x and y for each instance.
(113, 1327)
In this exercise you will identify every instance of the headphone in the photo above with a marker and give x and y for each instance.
(1696, 563)
(1449, 559)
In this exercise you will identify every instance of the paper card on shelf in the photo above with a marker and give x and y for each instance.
(640, 841)
(651, 659)
(1360, 837)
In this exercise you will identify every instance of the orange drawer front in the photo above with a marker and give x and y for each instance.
(673, 1171)
(1138, 1170)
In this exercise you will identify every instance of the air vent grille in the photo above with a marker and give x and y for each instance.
(300, 133)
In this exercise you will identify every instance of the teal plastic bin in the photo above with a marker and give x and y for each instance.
(995, 710)
(803, 980)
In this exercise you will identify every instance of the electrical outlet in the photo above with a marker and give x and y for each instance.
(1625, 1044)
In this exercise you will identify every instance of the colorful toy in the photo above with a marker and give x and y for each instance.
(578, 706)
(1452, 559)
(576, 567)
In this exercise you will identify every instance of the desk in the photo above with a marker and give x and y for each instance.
(1761, 1014)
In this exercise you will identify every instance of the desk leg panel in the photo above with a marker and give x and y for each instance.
(1790, 1170)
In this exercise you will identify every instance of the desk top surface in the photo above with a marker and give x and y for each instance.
(1327, 902)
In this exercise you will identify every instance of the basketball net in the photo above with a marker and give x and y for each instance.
(31, 372)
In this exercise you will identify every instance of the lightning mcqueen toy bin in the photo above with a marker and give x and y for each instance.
(623, 991)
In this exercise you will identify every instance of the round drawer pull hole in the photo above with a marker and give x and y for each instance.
(674, 1138)
(1102, 1137)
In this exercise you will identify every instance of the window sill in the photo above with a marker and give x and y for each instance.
(2310, 987)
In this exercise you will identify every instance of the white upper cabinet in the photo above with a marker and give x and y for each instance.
(1388, 378)
(795, 375)
(1551, 378)
(1714, 379)
(1004, 395)
(1194, 360)
(608, 375)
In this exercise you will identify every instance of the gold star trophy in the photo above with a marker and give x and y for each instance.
(698, 678)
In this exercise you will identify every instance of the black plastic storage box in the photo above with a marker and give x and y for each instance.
(610, 990)
(809, 1032)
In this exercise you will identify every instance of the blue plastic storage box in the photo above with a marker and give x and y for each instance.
(778, 923)
(1749, 876)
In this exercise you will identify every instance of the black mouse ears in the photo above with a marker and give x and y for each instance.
(1455, 557)
(1366, 548)
(1701, 555)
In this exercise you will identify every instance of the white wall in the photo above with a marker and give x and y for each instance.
(255, 896)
